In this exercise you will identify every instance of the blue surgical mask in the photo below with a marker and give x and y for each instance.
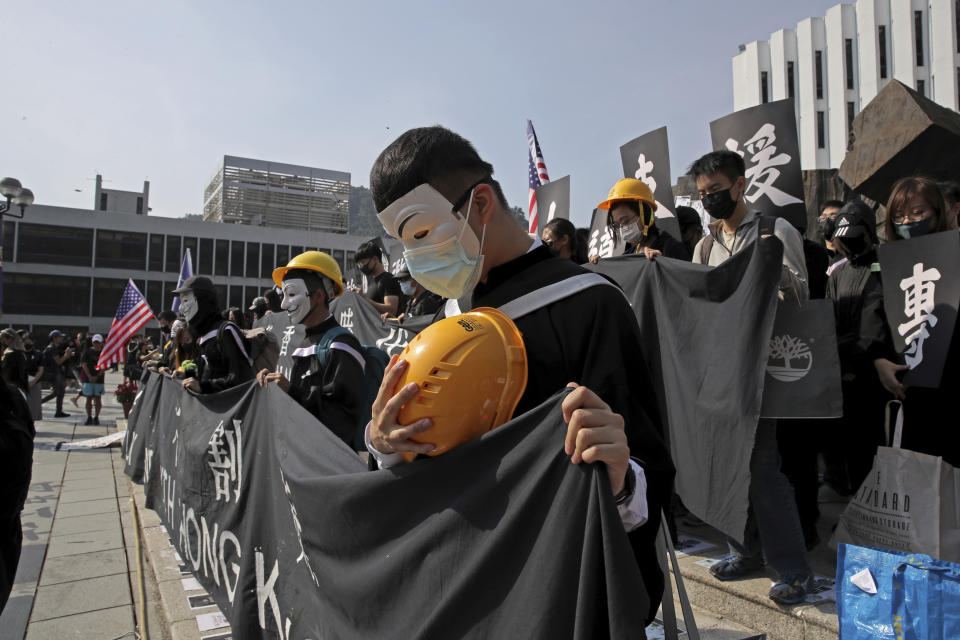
(909, 230)
(446, 268)
(407, 287)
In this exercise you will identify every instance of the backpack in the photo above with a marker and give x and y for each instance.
(261, 347)
(766, 226)
(375, 362)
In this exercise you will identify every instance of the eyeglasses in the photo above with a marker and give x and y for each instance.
(914, 216)
(625, 223)
(462, 200)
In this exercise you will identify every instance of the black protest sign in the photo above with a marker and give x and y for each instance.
(707, 388)
(355, 313)
(647, 159)
(553, 201)
(289, 337)
(921, 290)
(803, 365)
(766, 137)
(602, 241)
(394, 260)
(278, 521)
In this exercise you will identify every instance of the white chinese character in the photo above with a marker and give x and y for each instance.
(285, 341)
(762, 173)
(645, 172)
(918, 304)
(601, 243)
(346, 318)
(227, 460)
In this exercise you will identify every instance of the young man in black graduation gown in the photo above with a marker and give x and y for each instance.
(590, 338)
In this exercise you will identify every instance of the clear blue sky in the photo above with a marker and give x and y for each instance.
(161, 90)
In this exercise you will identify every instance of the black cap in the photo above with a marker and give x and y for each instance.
(855, 218)
(259, 305)
(56, 333)
(196, 284)
(688, 216)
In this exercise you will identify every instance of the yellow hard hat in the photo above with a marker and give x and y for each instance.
(313, 261)
(629, 189)
(471, 369)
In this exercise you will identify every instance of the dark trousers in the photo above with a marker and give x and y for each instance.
(58, 388)
(17, 460)
(797, 442)
(850, 442)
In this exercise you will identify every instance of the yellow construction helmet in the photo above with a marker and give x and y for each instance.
(629, 189)
(318, 261)
(471, 369)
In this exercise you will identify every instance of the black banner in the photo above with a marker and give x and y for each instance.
(355, 313)
(766, 137)
(647, 158)
(293, 538)
(921, 290)
(803, 366)
(701, 330)
(553, 201)
(601, 241)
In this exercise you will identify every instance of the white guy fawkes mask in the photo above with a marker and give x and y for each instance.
(296, 300)
(188, 305)
(440, 249)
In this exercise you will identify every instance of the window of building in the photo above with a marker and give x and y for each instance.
(103, 202)
(921, 87)
(107, 293)
(918, 35)
(764, 96)
(851, 114)
(848, 58)
(882, 46)
(236, 258)
(790, 90)
(155, 299)
(222, 265)
(156, 252)
(295, 251)
(283, 254)
(253, 260)
(173, 254)
(52, 244)
(221, 290)
(139, 205)
(121, 250)
(338, 255)
(62, 295)
(205, 257)
(267, 263)
(236, 296)
(818, 63)
(249, 293)
(191, 243)
(8, 238)
(821, 131)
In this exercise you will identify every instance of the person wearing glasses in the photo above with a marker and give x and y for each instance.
(631, 208)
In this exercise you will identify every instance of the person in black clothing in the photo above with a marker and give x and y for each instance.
(562, 239)
(382, 292)
(463, 239)
(327, 375)
(224, 361)
(93, 379)
(631, 217)
(14, 362)
(827, 224)
(420, 302)
(34, 374)
(16, 462)
(165, 319)
(54, 358)
(691, 226)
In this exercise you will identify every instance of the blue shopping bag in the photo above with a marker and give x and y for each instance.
(916, 597)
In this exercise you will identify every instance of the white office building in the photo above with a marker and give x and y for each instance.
(833, 66)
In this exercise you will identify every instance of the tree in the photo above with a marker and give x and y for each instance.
(788, 348)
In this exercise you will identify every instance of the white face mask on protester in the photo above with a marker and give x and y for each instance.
(296, 300)
(407, 287)
(441, 251)
(188, 305)
(631, 232)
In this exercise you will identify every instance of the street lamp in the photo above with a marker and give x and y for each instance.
(13, 191)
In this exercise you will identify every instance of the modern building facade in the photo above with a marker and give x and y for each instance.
(117, 201)
(274, 194)
(66, 268)
(833, 66)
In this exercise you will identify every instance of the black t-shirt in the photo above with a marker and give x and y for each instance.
(89, 358)
(381, 286)
(51, 369)
(426, 305)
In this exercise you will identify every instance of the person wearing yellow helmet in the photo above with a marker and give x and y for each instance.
(437, 196)
(630, 207)
(327, 375)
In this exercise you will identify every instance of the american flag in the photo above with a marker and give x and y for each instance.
(538, 175)
(132, 314)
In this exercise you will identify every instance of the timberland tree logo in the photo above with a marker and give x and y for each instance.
(790, 358)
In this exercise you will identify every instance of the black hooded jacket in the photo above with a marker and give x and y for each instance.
(224, 361)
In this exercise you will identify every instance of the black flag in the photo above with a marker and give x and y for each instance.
(647, 158)
(553, 201)
(921, 290)
(766, 137)
(601, 241)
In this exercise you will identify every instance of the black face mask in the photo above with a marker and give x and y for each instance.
(719, 204)
(551, 245)
(365, 269)
(851, 247)
(28, 346)
(827, 228)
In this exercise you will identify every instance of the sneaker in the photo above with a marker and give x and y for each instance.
(96, 421)
(61, 415)
(791, 589)
(89, 422)
(734, 566)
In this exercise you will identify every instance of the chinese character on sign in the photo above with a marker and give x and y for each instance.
(285, 341)
(762, 174)
(918, 306)
(645, 172)
(601, 244)
(226, 460)
(346, 318)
